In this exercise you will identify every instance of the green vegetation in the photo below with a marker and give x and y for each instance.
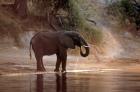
(75, 17)
(80, 22)
(126, 11)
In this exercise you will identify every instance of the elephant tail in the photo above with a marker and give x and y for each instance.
(30, 50)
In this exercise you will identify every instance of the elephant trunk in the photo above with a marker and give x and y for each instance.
(86, 53)
(86, 47)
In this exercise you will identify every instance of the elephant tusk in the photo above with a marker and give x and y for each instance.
(86, 46)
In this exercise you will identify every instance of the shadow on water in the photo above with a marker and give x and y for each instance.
(61, 83)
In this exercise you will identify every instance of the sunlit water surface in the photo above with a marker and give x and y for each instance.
(79, 81)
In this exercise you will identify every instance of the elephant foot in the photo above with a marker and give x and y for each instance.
(41, 69)
(63, 71)
(56, 70)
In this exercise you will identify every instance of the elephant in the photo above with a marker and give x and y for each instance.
(49, 43)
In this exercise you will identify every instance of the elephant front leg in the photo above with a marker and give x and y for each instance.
(58, 62)
(64, 62)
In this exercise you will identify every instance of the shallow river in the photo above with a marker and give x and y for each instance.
(72, 82)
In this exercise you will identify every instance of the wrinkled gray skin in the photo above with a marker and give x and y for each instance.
(49, 43)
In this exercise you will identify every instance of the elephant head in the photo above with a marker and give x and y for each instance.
(71, 39)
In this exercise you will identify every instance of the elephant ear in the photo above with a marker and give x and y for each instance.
(66, 41)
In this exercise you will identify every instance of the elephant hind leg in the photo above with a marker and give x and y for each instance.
(40, 66)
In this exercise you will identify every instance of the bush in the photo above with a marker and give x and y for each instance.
(74, 18)
(78, 20)
(126, 10)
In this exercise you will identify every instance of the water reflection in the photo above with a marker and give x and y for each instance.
(61, 83)
(72, 82)
(39, 83)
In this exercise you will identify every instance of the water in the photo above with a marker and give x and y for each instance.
(17, 74)
(72, 82)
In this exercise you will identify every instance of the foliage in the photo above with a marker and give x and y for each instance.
(126, 10)
(79, 21)
(74, 20)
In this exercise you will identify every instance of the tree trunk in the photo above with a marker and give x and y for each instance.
(20, 7)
